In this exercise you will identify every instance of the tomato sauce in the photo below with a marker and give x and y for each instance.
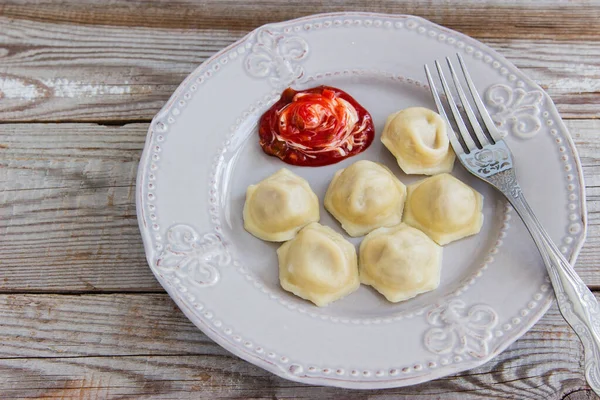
(315, 127)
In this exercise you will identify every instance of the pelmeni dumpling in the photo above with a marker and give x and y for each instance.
(400, 262)
(279, 206)
(365, 196)
(318, 265)
(418, 138)
(444, 208)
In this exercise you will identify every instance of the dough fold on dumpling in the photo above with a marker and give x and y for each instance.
(279, 206)
(400, 262)
(444, 208)
(365, 196)
(418, 138)
(318, 265)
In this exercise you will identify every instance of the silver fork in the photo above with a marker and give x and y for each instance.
(490, 159)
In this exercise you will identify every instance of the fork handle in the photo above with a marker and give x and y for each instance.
(576, 302)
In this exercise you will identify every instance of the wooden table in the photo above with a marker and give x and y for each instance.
(81, 315)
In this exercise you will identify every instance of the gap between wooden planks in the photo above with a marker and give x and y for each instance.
(68, 207)
(142, 345)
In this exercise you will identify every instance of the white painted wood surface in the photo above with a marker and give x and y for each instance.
(81, 315)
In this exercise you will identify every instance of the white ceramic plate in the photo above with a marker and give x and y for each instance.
(202, 152)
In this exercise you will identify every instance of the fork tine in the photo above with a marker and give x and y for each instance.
(464, 132)
(487, 120)
(458, 148)
(467, 107)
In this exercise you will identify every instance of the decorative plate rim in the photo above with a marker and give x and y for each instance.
(347, 382)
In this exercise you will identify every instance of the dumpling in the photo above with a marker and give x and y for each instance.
(418, 138)
(365, 196)
(279, 206)
(318, 265)
(400, 262)
(444, 208)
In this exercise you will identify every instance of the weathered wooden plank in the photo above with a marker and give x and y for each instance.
(516, 19)
(67, 207)
(39, 325)
(106, 346)
(54, 72)
(64, 72)
(586, 134)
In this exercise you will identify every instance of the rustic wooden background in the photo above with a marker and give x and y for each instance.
(81, 315)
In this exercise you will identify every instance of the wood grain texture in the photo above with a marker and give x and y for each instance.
(511, 19)
(58, 72)
(68, 208)
(112, 346)
(586, 134)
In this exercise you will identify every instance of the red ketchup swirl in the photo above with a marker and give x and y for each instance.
(314, 127)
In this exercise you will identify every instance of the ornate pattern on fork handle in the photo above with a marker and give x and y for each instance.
(494, 158)
(576, 302)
